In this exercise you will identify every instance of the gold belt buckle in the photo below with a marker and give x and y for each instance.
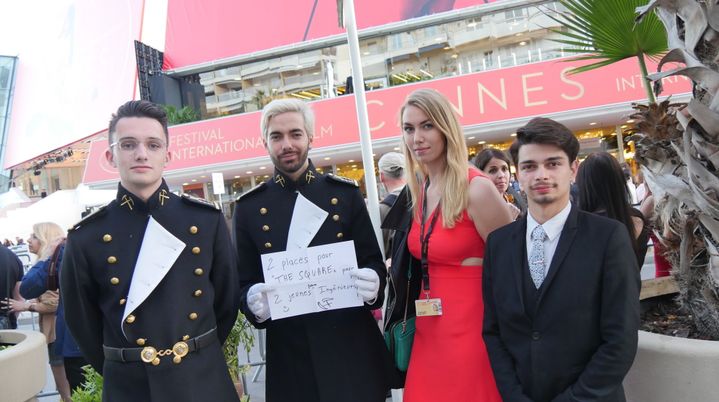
(149, 355)
(180, 350)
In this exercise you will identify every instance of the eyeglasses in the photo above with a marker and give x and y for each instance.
(130, 145)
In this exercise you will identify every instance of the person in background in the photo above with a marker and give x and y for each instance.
(631, 188)
(11, 273)
(391, 175)
(561, 288)
(455, 207)
(42, 277)
(495, 164)
(602, 191)
(41, 297)
(662, 266)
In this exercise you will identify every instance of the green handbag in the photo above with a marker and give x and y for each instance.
(400, 336)
(399, 340)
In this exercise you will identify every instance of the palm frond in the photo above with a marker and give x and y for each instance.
(607, 30)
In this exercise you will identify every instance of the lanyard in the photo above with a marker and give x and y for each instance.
(424, 237)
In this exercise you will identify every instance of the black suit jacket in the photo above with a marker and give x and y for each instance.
(579, 340)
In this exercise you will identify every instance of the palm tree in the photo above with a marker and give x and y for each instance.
(678, 147)
(605, 30)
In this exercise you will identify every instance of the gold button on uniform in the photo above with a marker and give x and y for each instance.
(334, 201)
(335, 218)
(199, 271)
(107, 238)
(193, 229)
(114, 280)
(195, 250)
(122, 301)
(265, 228)
(198, 293)
(141, 341)
(192, 316)
(268, 245)
(263, 211)
(112, 259)
(130, 319)
(186, 337)
(156, 361)
(340, 235)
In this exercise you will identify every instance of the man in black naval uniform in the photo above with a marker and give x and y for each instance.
(332, 356)
(149, 282)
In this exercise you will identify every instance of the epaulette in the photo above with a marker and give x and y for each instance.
(342, 179)
(100, 212)
(254, 190)
(192, 200)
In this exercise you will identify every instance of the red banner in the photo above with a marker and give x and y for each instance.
(490, 96)
(200, 31)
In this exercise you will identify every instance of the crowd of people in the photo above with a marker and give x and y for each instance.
(517, 294)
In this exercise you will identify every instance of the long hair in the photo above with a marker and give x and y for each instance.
(47, 233)
(601, 186)
(455, 194)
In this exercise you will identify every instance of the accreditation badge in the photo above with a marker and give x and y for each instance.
(428, 307)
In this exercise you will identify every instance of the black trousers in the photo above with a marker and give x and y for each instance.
(73, 371)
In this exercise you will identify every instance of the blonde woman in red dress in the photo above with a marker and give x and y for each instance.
(455, 207)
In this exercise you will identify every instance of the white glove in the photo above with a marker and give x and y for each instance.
(257, 301)
(367, 282)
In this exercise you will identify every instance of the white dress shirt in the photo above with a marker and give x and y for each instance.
(553, 228)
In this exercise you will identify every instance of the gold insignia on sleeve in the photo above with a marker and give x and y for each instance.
(163, 196)
(126, 200)
(280, 180)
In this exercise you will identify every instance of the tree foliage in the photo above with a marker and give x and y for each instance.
(606, 31)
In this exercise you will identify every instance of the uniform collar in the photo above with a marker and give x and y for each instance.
(308, 177)
(131, 202)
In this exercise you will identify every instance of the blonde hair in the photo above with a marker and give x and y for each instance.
(279, 106)
(47, 233)
(455, 195)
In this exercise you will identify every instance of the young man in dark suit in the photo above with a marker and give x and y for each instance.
(561, 286)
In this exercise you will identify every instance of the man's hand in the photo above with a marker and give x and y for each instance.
(367, 282)
(257, 301)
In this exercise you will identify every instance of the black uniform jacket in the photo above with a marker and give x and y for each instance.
(197, 294)
(574, 338)
(332, 356)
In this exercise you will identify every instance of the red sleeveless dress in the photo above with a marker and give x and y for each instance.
(449, 360)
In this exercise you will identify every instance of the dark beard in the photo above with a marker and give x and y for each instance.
(293, 168)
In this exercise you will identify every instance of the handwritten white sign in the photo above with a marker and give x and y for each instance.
(311, 280)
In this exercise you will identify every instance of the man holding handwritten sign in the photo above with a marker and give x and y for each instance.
(310, 272)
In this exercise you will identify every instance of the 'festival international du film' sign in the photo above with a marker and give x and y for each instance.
(311, 280)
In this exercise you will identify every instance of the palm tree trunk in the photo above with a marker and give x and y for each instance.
(647, 83)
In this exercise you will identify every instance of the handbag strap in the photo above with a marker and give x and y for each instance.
(406, 303)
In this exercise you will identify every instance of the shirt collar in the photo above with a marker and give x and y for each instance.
(308, 177)
(553, 227)
(131, 202)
